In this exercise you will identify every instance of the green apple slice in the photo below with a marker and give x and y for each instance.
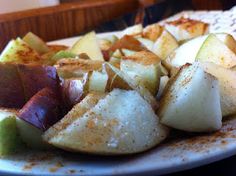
(164, 45)
(88, 44)
(9, 137)
(120, 123)
(191, 101)
(36, 43)
(214, 50)
(19, 51)
(98, 81)
(226, 78)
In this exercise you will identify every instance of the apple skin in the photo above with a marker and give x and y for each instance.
(18, 83)
(42, 110)
(10, 87)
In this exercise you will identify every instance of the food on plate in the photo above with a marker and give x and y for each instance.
(164, 44)
(9, 137)
(36, 43)
(185, 28)
(88, 44)
(214, 50)
(180, 57)
(18, 51)
(42, 110)
(98, 81)
(133, 30)
(144, 67)
(69, 67)
(114, 89)
(74, 89)
(227, 83)
(115, 125)
(152, 32)
(18, 82)
(191, 101)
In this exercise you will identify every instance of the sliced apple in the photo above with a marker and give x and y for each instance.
(78, 110)
(88, 44)
(163, 82)
(227, 84)
(185, 28)
(164, 45)
(119, 79)
(18, 83)
(121, 123)
(9, 137)
(191, 101)
(74, 90)
(36, 43)
(18, 51)
(228, 39)
(146, 42)
(98, 81)
(133, 30)
(214, 50)
(68, 68)
(127, 42)
(42, 110)
(144, 67)
(187, 52)
(152, 32)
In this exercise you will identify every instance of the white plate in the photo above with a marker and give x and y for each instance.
(174, 155)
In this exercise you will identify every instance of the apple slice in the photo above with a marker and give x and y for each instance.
(119, 79)
(42, 110)
(144, 67)
(36, 43)
(78, 110)
(227, 84)
(133, 30)
(18, 83)
(152, 32)
(187, 52)
(9, 138)
(88, 44)
(68, 68)
(18, 51)
(98, 81)
(121, 123)
(185, 28)
(128, 42)
(146, 42)
(214, 50)
(74, 90)
(164, 45)
(228, 39)
(191, 101)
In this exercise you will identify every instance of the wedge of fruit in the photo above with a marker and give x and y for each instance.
(164, 45)
(144, 67)
(152, 32)
(227, 84)
(191, 101)
(36, 43)
(98, 81)
(88, 44)
(18, 51)
(133, 30)
(119, 79)
(185, 28)
(120, 123)
(214, 50)
(9, 137)
(187, 52)
(69, 68)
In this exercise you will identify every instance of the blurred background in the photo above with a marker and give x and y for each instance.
(56, 19)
